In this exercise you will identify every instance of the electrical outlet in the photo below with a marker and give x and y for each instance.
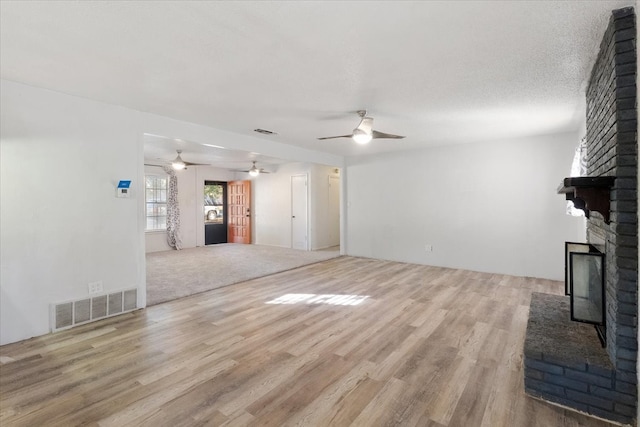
(428, 248)
(95, 287)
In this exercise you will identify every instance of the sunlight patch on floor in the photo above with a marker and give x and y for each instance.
(330, 299)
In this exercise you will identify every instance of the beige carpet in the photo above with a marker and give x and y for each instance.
(176, 274)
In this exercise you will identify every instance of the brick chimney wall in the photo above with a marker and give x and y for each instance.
(612, 150)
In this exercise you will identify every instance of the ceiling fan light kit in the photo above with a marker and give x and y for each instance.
(364, 132)
(178, 164)
(255, 171)
(361, 137)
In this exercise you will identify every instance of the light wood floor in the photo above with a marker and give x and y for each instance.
(428, 347)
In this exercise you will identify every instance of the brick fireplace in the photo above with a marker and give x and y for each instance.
(564, 361)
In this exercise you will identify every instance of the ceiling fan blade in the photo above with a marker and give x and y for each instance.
(366, 125)
(247, 171)
(254, 168)
(379, 135)
(196, 164)
(333, 137)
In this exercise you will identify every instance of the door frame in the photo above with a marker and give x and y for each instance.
(224, 210)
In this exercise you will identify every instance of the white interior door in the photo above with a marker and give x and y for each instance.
(334, 210)
(299, 213)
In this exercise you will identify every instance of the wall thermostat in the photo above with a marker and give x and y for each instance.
(123, 188)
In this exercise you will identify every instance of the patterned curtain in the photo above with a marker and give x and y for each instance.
(173, 210)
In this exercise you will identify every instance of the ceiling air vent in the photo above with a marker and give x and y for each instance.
(264, 131)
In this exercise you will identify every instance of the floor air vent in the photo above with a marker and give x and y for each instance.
(72, 313)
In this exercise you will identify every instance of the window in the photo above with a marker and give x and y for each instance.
(578, 168)
(214, 193)
(156, 202)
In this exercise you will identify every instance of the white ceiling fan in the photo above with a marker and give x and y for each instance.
(364, 132)
(179, 164)
(255, 171)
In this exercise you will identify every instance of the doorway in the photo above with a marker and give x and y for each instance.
(299, 212)
(215, 212)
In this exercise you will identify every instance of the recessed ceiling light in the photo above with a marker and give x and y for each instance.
(265, 132)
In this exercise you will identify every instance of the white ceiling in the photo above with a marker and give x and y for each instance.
(438, 72)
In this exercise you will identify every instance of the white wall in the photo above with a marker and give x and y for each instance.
(272, 206)
(271, 194)
(325, 232)
(62, 227)
(156, 241)
(488, 207)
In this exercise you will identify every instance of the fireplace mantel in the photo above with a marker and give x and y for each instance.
(589, 193)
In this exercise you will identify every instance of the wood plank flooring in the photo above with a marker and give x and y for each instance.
(428, 347)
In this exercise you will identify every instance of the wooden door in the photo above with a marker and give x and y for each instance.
(239, 207)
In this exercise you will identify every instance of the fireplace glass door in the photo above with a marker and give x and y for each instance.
(570, 247)
(587, 287)
(585, 265)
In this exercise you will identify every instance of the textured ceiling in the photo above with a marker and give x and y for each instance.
(437, 72)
